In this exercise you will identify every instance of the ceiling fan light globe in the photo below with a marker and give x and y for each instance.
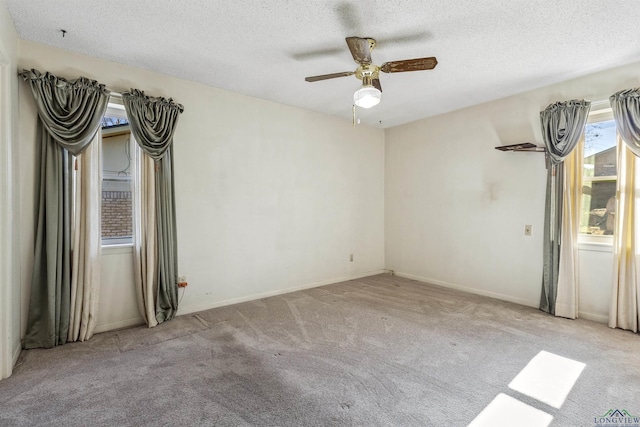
(367, 97)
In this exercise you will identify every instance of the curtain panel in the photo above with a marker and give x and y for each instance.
(69, 114)
(562, 126)
(624, 311)
(566, 302)
(87, 245)
(145, 254)
(153, 123)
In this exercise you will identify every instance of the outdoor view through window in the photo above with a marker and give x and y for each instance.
(116, 182)
(599, 179)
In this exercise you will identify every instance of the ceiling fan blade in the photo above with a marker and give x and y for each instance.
(409, 65)
(360, 49)
(376, 83)
(329, 76)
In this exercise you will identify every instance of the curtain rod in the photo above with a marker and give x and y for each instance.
(114, 93)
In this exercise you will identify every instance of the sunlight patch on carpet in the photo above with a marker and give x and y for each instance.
(548, 378)
(505, 411)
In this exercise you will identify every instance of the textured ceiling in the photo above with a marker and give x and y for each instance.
(487, 49)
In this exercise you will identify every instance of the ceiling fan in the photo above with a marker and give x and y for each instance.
(371, 91)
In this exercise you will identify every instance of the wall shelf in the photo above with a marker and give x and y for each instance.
(525, 146)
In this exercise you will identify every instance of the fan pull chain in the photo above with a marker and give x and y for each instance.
(356, 120)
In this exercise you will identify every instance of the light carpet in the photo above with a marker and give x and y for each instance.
(378, 351)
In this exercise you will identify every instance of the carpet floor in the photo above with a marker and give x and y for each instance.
(377, 351)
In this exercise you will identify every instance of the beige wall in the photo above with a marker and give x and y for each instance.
(10, 215)
(456, 207)
(269, 197)
(272, 198)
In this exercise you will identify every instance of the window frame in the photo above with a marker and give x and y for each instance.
(115, 108)
(601, 243)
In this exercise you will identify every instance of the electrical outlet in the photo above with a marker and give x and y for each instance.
(527, 230)
(182, 279)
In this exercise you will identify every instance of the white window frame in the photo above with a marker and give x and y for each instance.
(115, 108)
(602, 243)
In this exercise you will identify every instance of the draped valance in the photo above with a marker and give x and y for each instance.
(70, 110)
(626, 112)
(562, 125)
(153, 121)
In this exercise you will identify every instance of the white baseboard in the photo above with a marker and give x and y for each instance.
(121, 324)
(127, 323)
(253, 297)
(482, 292)
(600, 318)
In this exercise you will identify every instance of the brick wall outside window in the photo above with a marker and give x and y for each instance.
(116, 214)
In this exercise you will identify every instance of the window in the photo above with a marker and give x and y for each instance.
(599, 178)
(116, 210)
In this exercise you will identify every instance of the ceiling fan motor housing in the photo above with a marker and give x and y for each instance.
(367, 71)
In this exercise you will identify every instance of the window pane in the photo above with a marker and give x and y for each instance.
(600, 149)
(598, 207)
(116, 182)
(113, 122)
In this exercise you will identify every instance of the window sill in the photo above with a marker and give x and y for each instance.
(117, 249)
(603, 245)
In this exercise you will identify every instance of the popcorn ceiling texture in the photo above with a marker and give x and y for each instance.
(486, 49)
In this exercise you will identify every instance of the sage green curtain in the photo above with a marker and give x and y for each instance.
(69, 114)
(562, 125)
(624, 311)
(153, 123)
(626, 112)
(551, 238)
